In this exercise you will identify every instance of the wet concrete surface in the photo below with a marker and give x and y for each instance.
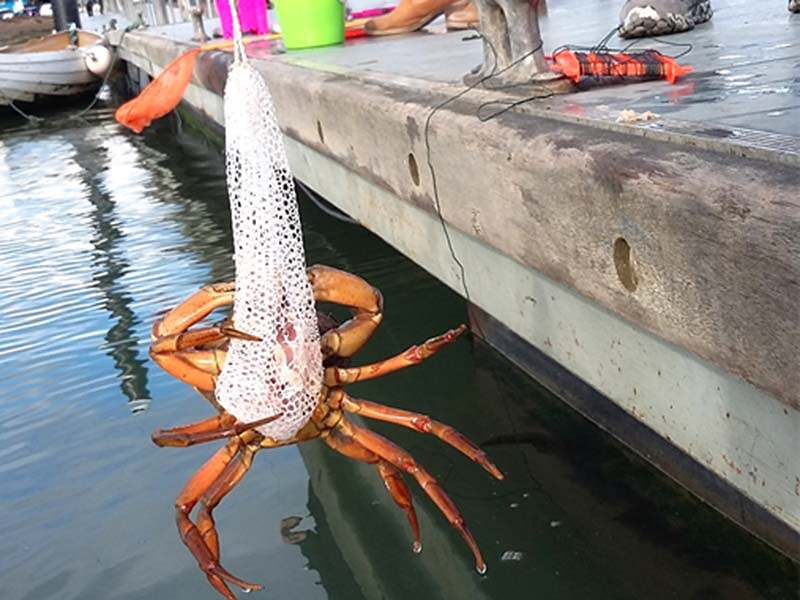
(746, 64)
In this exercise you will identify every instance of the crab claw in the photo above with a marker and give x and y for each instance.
(190, 435)
(239, 335)
(242, 427)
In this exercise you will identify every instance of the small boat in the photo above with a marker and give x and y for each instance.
(68, 63)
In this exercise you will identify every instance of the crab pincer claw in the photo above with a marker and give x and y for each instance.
(239, 335)
(450, 335)
(242, 427)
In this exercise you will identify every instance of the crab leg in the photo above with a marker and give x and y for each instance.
(392, 477)
(208, 430)
(194, 309)
(197, 368)
(405, 462)
(423, 424)
(221, 487)
(346, 289)
(209, 424)
(413, 356)
(193, 491)
(393, 480)
(171, 342)
(197, 337)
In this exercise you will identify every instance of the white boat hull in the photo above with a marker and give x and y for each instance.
(29, 73)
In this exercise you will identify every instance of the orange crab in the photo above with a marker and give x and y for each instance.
(196, 356)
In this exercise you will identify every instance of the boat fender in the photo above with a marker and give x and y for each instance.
(97, 59)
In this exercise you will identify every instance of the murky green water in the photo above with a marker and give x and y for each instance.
(100, 231)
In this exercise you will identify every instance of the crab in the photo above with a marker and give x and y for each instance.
(196, 355)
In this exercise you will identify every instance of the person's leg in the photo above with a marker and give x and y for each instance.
(411, 15)
(462, 14)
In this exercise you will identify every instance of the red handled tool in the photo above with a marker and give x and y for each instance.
(642, 65)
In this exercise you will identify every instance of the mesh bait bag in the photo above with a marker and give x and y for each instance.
(274, 301)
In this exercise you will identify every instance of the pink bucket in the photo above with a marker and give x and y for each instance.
(252, 17)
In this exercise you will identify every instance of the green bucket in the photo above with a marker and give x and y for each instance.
(311, 23)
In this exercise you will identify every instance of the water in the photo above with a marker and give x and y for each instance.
(102, 231)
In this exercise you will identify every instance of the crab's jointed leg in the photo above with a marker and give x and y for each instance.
(164, 437)
(176, 354)
(198, 368)
(230, 477)
(207, 430)
(392, 477)
(413, 356)
(198, 337)
(194, 309)
(194, 490)
(172, 343)
(393, 480)
(346, 289)
(405, 462)
(423, 424)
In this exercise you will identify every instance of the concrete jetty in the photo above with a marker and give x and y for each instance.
(647, 271)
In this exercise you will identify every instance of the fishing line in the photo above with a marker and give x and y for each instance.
(602, 45)
(426, 136)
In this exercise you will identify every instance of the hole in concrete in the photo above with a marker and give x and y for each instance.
(625, 264)
(413, 169)
(320, 133)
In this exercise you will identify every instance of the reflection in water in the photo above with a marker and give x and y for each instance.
(323, 555)
(109, 264)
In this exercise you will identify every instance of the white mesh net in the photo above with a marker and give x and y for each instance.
(274, 300)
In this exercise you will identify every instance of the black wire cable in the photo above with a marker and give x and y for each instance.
(426, 135)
